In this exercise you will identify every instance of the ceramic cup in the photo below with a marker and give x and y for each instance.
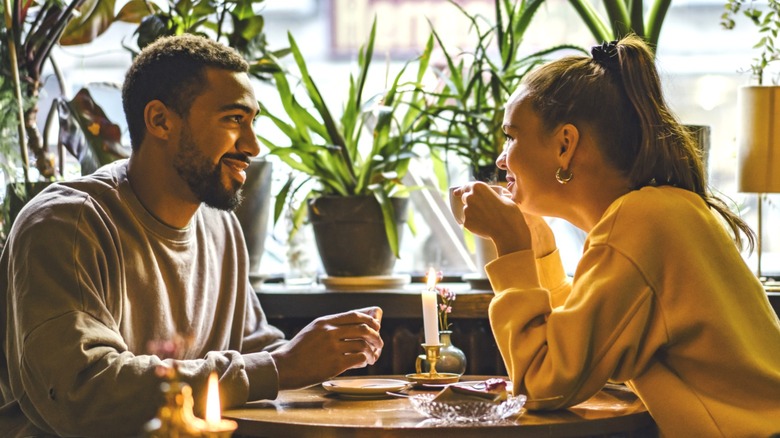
(456, 203)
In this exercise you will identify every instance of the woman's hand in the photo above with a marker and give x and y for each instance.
(497, 217)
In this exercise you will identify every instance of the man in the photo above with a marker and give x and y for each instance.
(97, 269)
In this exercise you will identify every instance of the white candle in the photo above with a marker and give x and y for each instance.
(430, 317)
(215, 426)
(213, 408)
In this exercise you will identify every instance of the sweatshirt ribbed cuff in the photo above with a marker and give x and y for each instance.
(514, 270)
(263, 376)
(521, 270)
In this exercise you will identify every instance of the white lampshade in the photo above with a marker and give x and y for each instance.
(758, 139)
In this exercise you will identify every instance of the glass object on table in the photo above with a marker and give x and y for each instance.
(467, 411)
(301, 269)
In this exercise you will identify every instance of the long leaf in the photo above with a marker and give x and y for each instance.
(655, 20)
(314, 94)
(592, 20)
(95, 16)
(388, 214)
(619, 19)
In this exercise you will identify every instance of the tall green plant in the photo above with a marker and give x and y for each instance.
(624, 17)
(31, 31)
(365, 152)
(768, 23)
(468, 111)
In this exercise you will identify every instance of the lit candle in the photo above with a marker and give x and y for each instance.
(430, 318)
(215, 426)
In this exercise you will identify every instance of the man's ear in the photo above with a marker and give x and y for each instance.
(159, 119)
(568, 138)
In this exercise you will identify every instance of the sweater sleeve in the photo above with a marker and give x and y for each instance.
(259, 340)
(563, 355)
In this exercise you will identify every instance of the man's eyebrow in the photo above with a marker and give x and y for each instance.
(237, 106)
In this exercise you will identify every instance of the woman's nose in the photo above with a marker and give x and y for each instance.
(501, 161)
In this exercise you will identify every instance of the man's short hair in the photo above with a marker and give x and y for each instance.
(172, 70)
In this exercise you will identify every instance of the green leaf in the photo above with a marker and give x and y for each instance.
(281, 198)
(95, 16)
(83, 116)
(388, 214)
(592, 20)
(135, 10)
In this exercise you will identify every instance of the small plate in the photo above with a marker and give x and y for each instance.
(362, 283)
(364, 387)
(438, 379)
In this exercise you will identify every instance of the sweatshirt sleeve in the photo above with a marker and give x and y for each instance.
(563, 355)
(260, 339)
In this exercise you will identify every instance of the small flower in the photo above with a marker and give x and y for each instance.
(446, 297)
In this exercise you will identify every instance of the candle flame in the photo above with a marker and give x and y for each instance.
(213, 409)
(431, 278)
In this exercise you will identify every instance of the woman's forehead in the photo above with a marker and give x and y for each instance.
(518, 95)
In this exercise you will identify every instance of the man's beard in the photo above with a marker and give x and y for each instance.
(203, 178)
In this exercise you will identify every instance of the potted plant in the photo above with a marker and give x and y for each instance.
(468, 111)
(350, 166)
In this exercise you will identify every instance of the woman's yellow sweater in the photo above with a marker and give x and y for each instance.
(661, 300)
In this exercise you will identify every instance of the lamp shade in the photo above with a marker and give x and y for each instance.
(758, 139)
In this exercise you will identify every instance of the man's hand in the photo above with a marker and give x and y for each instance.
(328, 346)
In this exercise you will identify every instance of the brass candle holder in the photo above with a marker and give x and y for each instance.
(432, 377)
(432, 353)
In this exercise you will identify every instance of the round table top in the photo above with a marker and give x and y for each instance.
(313, 411)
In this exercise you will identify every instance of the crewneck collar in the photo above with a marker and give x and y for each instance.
(148, 220)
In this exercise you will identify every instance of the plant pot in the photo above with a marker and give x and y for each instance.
(350, 234)
(254, 211)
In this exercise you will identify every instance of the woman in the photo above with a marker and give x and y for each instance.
(661, 299)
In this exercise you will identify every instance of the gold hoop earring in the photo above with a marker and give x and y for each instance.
(563, 176)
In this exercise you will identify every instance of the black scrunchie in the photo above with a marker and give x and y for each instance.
(606, 55)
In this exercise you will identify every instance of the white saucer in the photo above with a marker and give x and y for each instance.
(370, 281)
(364, 387)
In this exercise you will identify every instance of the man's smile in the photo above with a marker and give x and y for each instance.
(237, 167)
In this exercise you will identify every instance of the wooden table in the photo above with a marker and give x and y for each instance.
(313, 412)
